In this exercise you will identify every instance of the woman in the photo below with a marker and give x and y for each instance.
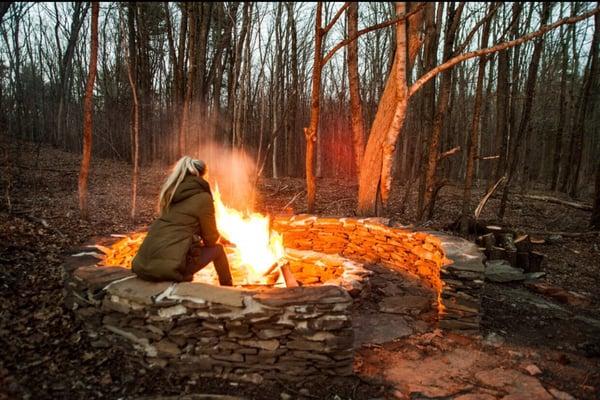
(169, 251)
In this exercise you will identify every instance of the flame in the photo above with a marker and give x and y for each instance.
(257, 247)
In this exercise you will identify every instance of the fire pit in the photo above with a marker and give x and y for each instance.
(263, 330)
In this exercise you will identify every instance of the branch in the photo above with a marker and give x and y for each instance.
(489, 15)
(369, 29)
(554, 200)
(502, 46)
(334, 20)
(449, 153)
(487, 196)
(488, 157)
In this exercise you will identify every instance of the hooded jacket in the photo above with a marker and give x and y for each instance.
(163, 253)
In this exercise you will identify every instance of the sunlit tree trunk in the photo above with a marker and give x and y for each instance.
(311, 132)
(135, 117)
(88, 110)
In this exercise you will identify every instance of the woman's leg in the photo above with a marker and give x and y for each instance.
(200, 256)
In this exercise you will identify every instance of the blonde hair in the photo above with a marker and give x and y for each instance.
(184, 165)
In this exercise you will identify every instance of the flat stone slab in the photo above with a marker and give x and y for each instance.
(301, 295)
(501, 271)
(204, 292)
(379, 328)
(518, 385)
(98, 277)
(138, 290)
(405, 304)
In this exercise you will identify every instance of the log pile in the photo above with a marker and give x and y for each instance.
(500, 243)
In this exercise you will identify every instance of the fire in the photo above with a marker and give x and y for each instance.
(257, 248)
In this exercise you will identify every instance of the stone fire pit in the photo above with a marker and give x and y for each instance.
(256, 333)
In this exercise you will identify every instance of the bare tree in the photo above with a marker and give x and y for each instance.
(88, 111)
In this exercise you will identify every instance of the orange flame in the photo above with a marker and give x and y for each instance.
(257, 248)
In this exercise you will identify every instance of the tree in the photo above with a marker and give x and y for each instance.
(88, 110)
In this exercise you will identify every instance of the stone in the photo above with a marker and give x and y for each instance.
(170, 312)
(329, 323)
(167, 348)
(306, 345)
(379, 328)
(533, 369)
(137, 290)
(272, 344)
(515, 383)
(204, 292)
(560, 395)
(302, 295)
(97, 277)
(404, 304)
(501, 271)
(272, 333)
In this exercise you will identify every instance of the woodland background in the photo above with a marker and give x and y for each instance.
(240, 75)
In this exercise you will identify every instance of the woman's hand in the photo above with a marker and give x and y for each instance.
(225, 242)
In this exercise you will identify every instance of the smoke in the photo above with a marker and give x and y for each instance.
(232, 171)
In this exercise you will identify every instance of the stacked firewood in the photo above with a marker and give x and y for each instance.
(500, 243)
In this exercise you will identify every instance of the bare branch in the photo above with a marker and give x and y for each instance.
(370, 29)
(335, 18)
(501, 46)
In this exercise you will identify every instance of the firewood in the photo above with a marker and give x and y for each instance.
(497, 253)
(522, 243)
(506, 240)
(288, 276)
(510, 255)
(535, 261)
(523, 261)
(488, 241)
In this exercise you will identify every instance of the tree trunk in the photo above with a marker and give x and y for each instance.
(433, 153)
(375, 171)
(586, 103)
(520, 136)
(183, 125)
(311, 132)
(561, 114)
(135, 118)
(473, 142)
(88, 109)
(595, 221)
(356, 112)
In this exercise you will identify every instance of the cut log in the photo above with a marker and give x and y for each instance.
(497, 253)
(523, 244)
(488, 241)
(506, 240)
(288, 276)
(510, 255)
(523, 261)
(535, 261)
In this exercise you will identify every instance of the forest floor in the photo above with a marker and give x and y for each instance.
(530, 345)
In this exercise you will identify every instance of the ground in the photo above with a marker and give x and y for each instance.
(530, 345)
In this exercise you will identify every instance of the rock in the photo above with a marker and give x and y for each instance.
(518, 385)
(560, 395)
(379, 328)
(554, 239)
(533, 369)
(271, 344)
(501, 271)
(196, 291)
(494, 340)
(285, 396)
(167, 348)
(404, 304)
(560, 294)
(137, 290)
(531, 276)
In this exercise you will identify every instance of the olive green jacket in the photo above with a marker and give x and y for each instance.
(163, 253)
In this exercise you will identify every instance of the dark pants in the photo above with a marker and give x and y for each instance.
(199, 256)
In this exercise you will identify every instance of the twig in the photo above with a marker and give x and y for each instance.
(548, 199)
(293, 199)
(566, 234)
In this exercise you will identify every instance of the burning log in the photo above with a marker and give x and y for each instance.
(288, 276)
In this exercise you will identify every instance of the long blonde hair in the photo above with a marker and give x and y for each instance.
(184, 165)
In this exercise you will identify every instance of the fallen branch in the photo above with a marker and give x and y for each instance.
(485, 198)
(487, 157)
(549, 199)
(566, 234)
(293, 199)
